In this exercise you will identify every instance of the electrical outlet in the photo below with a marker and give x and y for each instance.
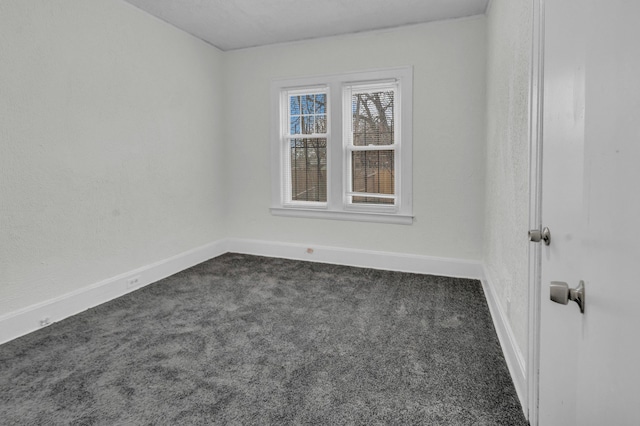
(133, 282)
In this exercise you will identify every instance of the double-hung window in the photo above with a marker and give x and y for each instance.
(341, 146)
(305, 135)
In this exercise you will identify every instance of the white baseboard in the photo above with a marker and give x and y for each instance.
(510, 348)
(27, 320)
(403, 262)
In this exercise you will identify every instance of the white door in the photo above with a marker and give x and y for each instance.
(590, 363)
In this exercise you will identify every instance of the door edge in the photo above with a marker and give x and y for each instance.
(536, 104)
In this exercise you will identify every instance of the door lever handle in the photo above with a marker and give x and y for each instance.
(536, 236)
(561, 293)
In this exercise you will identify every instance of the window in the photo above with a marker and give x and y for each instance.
(305, 169)
(370, 143)
(341, 146)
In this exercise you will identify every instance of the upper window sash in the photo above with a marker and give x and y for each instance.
(296, 108)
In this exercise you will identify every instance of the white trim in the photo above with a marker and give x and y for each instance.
(512, 352)
(342, 215)
(419, 264)
(27, 320)
(536, 104)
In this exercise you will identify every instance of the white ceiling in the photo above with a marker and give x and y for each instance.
(235, 24)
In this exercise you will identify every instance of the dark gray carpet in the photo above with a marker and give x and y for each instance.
(252, 340)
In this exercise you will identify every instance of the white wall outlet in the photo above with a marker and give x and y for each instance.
(133, 282)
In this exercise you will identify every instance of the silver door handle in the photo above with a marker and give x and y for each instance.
(561, 293)
(536, 236)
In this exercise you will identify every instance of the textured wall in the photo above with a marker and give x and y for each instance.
(125, 141)
(507, 173)
(448, 144)
(110, 145)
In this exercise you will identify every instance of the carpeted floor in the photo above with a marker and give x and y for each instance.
(252, 340)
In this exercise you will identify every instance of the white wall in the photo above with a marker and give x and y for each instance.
(125, 141)
(448, 145)
(111, 151)
(507, 175)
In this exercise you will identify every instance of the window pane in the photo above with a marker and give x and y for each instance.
(295, 124)
(308, 124)
(373, 172)
(308, 104)
(307, 114)
(321, 123)
(373, 118)
(309, 169)
(372, 200)
(321, 104)
(294, 105)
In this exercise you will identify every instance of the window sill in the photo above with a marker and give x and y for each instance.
(343, 215)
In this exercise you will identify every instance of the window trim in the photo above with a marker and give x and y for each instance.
(337, 206)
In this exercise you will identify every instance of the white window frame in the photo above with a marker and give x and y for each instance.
(286, 138)
(339, 148)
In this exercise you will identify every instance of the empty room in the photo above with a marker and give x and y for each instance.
(287, 212)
